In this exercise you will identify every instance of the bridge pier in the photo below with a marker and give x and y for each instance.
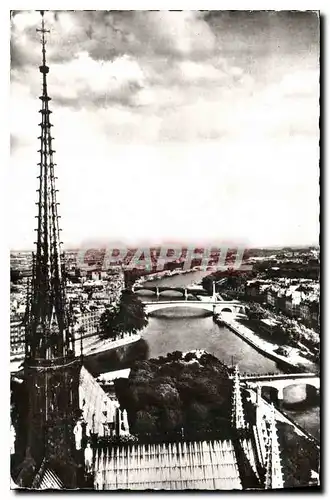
(185, 294)
(280, 393)
(157, 292)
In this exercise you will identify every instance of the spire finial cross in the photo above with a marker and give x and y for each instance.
(42, 29)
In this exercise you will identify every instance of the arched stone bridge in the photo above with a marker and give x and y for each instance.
(158, 290)
(280, 381)
(217, 307)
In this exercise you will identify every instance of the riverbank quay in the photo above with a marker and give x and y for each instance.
(96, 346)
(106, 345)
(304, 338)
(89, 341)
(292, 362)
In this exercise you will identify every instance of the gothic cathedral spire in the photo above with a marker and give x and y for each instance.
(51, 369)
(48, 334)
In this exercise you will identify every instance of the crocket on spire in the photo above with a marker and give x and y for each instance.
(238, 419)
(273, 468)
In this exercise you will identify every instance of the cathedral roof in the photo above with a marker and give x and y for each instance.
(205, 465)
(46, 478)
(96, 406)
(50, 481)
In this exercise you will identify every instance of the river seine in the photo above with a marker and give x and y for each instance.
(185, 329)
(170, 331)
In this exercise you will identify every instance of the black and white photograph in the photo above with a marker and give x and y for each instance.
(164, 208)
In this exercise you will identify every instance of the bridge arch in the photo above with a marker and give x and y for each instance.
(270, 393)
(299, 393)
(312, 393)
(291, 390)
(227, 309)
(175, 290)
(159, 306)
(145, 289)
(213, 307)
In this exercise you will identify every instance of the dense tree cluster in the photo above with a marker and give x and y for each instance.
(299, 457)
(177, 395)
(267, 269)
(288, 269)
(128, 316)
(233, 278)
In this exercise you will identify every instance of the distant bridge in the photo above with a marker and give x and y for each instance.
(280, 381)
(158, 290)
(212, 306)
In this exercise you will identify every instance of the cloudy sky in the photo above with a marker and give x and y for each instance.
(171, 126)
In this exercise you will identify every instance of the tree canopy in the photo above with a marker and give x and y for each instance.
(177, 394)
(128, 316)
(299, 457)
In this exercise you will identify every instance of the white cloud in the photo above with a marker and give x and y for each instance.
(26, 19)
(168, 136)
(302, 83)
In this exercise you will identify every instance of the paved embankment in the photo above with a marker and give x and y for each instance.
(293, 361)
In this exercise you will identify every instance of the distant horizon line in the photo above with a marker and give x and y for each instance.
(117, 245)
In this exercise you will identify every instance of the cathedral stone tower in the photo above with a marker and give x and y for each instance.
(51, 368)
